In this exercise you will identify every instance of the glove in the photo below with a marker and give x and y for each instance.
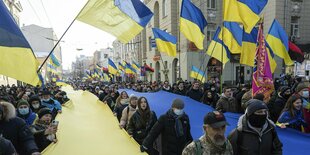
(142, 148)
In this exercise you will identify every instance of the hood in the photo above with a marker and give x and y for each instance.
(242, 121)
(9, 111)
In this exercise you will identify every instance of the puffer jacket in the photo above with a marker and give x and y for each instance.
(126, 115)
(139, 128)
(247, 141)
(171, 144)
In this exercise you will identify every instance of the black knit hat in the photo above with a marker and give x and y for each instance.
(254, 105)
(44, 111)
(177, 103)
(46, 92)
(34, 98)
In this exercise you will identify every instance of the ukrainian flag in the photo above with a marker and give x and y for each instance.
(231, 35)
(244, 11)
(192, 23)
(121, 67)
(17, 59)
(54, 60)
(217, 48)
(88, 74)
(272, 61)
(51, 68)
(197, 74)
(61, 83)
(111, 67)
(129, 69)
(122, 18)
(278, 42)
(165, 42)
(136, 66)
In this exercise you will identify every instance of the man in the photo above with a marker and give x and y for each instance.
(15, 129)
(181, 90)
(105, 93)
(213, 142)
(174, 127)
(166, 87)
(255, 133)
(6, 147)
(227, 103)
(50, 103)
(195, 93)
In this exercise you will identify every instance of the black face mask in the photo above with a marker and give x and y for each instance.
(257, 120)
(286, 96)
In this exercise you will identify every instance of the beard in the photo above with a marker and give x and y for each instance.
(219, 140)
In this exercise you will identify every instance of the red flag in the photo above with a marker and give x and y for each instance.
(295, 53)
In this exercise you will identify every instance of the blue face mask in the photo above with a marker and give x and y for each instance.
(23, 111)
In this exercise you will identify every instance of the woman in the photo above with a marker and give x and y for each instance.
(121, 103)
(292, 115)
(209, 99)
(141, 121)
(24, 112)
(128, 111)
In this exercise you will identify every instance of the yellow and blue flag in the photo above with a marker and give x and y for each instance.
(165, 42)
(192, 23)
(121, 66)
(54, 60)
(278, 42)
(88, 74)
(218, 49)
(129, 69)
(244, 11)
(122, 18)
(136, 66)
(111, 67)
(231, 35)
(17, 58)
(197, 74)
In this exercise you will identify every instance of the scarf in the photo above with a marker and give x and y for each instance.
(178, 126)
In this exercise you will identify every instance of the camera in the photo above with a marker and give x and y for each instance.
(55, 123)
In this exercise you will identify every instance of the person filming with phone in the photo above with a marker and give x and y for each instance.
(44, 129)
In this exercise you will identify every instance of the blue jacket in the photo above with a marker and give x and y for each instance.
(52, 104)
(294, 122)
(29, 118)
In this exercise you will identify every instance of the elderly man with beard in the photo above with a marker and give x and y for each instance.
(213, 142)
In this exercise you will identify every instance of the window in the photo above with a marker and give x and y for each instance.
(210, 34)
(211, 4)
(150, 43)
(295, 26)
(165, 12)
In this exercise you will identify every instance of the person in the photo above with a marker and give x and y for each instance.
(255, 133)
(110, 100)
(240, 94)
(6, 147)
(292, 116)
(50, 103)
(213, 142)
(128, 111)
(303, 90)
(43, 131)
(24, 112)
(245, 98)
(166, 87)
(16, 130)
(121, 102)
(61, 97)
(180, 90)
(227, 103)
(35, 103)
(194, 92)
(104, 94)
(174, 126)
(141, 121)
(209, 99)
(275, 108)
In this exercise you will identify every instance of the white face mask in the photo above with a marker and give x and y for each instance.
(178, 111)
(305, 94)
(36, 106)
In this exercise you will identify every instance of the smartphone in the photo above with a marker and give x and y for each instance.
(55, 123)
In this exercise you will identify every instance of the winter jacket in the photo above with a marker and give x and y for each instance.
(6, 147)
(296, 122)
(53, 105)
(180, 92)
(42, 140)
(195, 94)
(306, 112)
(118, 110)
(126, 115)
(248, 141)
(276, 108)
(139, 128)
(17, 131)
(166, 126)
(227, 104)
(29, 118)
(245, 98)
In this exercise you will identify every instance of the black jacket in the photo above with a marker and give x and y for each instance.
(171, 144)
(195, 94)
(6, 147)
(40, 138)
(138, 128)
(276, 108)
(246, 141)
(180, 92)
(19, 134)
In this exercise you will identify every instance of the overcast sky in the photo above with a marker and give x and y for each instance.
(59, 14)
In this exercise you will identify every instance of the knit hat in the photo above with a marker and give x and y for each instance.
(22, 102)
(300, 87)
(46, 92)
(178, 104)
(34, 98)
(44, 111)
(254, 105)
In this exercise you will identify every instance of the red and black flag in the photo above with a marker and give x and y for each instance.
(295, 53)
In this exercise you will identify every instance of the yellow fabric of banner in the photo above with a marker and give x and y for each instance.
(88, 126)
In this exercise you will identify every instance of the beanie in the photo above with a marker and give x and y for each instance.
(44, 111)
(22, 102)
(254, 105)
(177, 103)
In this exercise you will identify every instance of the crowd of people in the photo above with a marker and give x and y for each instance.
(28, 125)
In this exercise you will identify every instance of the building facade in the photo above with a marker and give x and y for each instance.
(82, 64)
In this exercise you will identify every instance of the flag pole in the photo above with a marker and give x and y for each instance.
(61, 38)
(221, 74)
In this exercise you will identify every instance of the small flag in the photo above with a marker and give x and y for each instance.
(165, 42)
(197, 74)
(111, 66)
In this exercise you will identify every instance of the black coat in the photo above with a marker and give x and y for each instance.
(138, 128)
(180, 92)
(171, 144)
(276, 108)
(118, 109)
(40, 138)
(19, 134)
(246, 141)
(195, 94)
(6, 147)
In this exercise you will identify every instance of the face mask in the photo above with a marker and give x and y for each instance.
(46, 100)
(286, 96)
(23, 111)
(212, 89)
(124, 101)
(36, 106)
(65, 96)
(305, 94)
(27, 93)
(178, 112)
(257, 120)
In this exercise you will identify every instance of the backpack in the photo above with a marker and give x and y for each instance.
(198, 150)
